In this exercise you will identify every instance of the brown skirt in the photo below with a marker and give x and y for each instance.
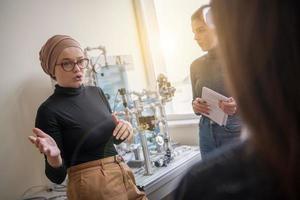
(104, 179)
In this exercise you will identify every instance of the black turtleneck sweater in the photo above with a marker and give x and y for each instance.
(80, 121)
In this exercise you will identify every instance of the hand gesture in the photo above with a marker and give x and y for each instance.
(229, 106)
(123, 129)
(201, 106)
(47, 146)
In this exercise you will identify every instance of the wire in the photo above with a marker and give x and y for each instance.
(115, 101)
(36, 186)
(36, 198)
(59, 188)
(58, 196)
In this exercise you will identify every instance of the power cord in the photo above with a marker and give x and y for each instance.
(43, 187)
(115, 101)
(54, 188)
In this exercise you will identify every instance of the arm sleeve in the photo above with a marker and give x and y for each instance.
(193, 82)
(46, 121)
(103, 97)
(192, 75)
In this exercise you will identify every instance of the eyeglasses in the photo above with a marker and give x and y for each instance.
(69, 65)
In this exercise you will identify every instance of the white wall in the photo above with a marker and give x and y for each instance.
(184, 131)
(25, 26)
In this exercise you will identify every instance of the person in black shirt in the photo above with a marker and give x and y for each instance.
(76, 131)
(260, 45)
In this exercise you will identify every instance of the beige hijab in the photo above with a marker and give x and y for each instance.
(51, 50)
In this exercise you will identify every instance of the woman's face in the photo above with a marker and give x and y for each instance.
(74, 77)
(204, 35)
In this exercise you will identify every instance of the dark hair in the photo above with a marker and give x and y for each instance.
(198, 14)
(259, 42)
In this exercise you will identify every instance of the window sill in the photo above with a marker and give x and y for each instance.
(181, 120)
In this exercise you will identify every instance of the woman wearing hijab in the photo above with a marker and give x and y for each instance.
(76, 130)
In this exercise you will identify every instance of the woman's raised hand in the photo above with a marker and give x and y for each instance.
(47, 146)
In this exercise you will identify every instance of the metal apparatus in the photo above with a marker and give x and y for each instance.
(145, 110)
(95, 64)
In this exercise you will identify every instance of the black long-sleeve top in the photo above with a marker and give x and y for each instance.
(80, 122)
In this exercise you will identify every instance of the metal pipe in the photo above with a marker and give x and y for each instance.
(148, 166)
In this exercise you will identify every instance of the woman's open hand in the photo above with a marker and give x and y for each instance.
(47, 146)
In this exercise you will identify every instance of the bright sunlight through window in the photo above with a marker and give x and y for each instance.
(179, 48)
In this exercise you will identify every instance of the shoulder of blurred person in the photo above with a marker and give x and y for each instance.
(232, 172)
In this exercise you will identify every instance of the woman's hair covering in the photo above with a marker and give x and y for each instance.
(51, 50)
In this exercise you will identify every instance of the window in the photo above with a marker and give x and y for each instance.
(170, 46)
(178, 48)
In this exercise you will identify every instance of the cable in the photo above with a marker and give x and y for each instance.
(58, 196)
(36, 198)
(36, 186)
(59, 188)
(115, 101)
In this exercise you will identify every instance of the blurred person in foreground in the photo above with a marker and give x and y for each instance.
(260, 47)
